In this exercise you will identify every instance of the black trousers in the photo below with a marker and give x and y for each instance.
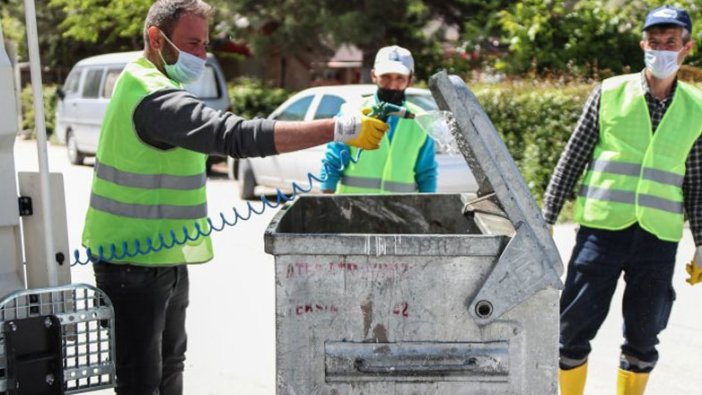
(150, 305)
(599, 259)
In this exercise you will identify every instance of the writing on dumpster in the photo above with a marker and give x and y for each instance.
(401, 309)
(309, 308)
(302, 269)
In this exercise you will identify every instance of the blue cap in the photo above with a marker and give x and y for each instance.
(668, 15)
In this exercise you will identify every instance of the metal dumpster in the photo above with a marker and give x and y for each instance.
(420, 294)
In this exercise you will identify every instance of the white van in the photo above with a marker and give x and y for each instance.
(88, 88)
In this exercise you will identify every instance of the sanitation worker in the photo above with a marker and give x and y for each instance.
(149, 181)
(638, 142)
(405, 161)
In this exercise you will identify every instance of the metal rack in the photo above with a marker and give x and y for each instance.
(32, 322)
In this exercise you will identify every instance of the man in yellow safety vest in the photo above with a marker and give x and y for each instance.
(638, 142)
(149, 189)
(405, 161)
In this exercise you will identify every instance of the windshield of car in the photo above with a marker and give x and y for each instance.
(328, 107)
(296, 111)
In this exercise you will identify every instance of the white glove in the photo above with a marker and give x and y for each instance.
(346, 127)
(359, 130)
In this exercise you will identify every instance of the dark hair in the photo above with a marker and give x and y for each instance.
(165, 13)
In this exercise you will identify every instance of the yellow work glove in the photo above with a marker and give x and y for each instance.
(693, 268)
(359, 130)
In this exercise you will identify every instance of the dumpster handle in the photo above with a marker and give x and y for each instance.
(474, 363)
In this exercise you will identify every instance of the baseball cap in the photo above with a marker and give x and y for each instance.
(393, 59)
(668, 15)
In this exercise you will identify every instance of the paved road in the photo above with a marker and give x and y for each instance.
(231, 320)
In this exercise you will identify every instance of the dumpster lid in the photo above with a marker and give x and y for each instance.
(530, 261)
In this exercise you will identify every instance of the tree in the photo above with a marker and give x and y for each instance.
(54, 51)
(70, 30)
(114, 24)
(308, 25)
(587, 38)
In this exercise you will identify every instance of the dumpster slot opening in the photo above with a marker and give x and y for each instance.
(379, 214)
(417, 361)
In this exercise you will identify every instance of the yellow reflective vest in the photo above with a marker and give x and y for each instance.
(390, 168)
(141, 193)
(636, 175)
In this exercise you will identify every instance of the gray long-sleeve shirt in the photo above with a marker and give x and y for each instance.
(171, 118)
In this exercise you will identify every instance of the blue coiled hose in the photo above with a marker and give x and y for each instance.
(147, 246)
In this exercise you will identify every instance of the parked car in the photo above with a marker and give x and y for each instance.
(87, 91)
(280, 171)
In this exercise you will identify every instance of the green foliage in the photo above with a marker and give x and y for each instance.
(28, 113)
(13, 29)
(633, 13)
(251, 98)
(535, 121)
(54, 50)
(109, 22)
(582, 38)
(585, 38)
(296, 27)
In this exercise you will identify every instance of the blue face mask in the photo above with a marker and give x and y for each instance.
(662, 64)
(186, 69)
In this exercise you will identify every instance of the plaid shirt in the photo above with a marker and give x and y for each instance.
(578, 154)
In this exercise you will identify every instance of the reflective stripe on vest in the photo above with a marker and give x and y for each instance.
(390, 168)
(150, 211)
(637, 175)
(141, 193)
(376, 183)
(630, 198)
(633, 169)
(135, 180)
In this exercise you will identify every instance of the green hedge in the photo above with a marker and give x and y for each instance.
(535, 121)
(50, 99)
(251, 98)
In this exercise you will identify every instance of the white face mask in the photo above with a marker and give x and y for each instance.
(186, 69)
(662, 64)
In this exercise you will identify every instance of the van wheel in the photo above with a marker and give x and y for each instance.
(74, 155)
(246, 180)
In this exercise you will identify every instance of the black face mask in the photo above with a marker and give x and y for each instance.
(393, 96)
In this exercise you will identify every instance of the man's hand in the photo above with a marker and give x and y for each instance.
(359, 130)
(694, 269)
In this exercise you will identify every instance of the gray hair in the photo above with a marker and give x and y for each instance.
(165, 13)
(685, 33)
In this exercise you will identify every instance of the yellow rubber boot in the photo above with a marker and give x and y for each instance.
(631, 383)
(572, 381)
